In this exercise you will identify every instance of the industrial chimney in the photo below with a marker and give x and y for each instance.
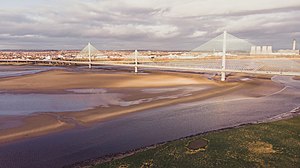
(294, 44)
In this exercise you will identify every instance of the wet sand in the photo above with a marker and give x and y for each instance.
(62, 80)
(31, 126)
(129, 84)
(258, 86)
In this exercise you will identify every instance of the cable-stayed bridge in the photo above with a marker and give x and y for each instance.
(222, 63)
(264, 66)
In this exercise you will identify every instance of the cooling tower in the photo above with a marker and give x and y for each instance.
(269, 50)
(264, 50)
(258, 50)
(253, 50)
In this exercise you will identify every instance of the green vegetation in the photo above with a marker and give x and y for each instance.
(275, 144)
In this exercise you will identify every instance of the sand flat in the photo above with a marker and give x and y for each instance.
(32, 126)
(297, 78)
(61, 80)
(130, 85)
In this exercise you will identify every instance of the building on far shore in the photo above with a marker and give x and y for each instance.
(293, 51)
(267, 50)
(261, 50)
(288, 52)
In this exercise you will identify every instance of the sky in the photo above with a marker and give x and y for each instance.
(145, 24)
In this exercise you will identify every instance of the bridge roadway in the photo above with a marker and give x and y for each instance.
(159, 67)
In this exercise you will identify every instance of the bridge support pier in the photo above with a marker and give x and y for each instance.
(223, 76)
(135, 62)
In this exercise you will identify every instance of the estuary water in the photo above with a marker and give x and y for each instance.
(11, 71)
(148, 127)
(12, 104)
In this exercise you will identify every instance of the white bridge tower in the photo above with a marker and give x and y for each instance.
(135, 61)
(223, 73)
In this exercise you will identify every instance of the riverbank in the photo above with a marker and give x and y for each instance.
(272, 144)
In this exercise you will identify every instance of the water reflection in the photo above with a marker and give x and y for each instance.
(23, 104)
(12, 71)
(77, 100)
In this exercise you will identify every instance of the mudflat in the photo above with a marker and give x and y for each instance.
(61, 80)
(297, 77)
(139, 91)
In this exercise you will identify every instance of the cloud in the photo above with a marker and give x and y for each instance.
(198, 34)
(194, 8)
(156, 31)
(146, 24)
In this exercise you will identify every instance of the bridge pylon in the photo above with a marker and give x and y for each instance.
(223, 73)
(135, 62)
(87, 52)
(90, 59)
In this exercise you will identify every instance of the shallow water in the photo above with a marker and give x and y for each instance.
(9, 124)
(12, 71)
(149, 127)
(24, 104)
(186, 89)
(76, 100)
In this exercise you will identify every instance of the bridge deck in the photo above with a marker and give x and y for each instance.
(167, 67)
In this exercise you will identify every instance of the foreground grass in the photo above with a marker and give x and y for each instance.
(275, 144)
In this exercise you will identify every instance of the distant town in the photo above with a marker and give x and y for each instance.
(242, 48)
(127, 54)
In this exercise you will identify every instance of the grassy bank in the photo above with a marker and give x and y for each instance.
(275, 144)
